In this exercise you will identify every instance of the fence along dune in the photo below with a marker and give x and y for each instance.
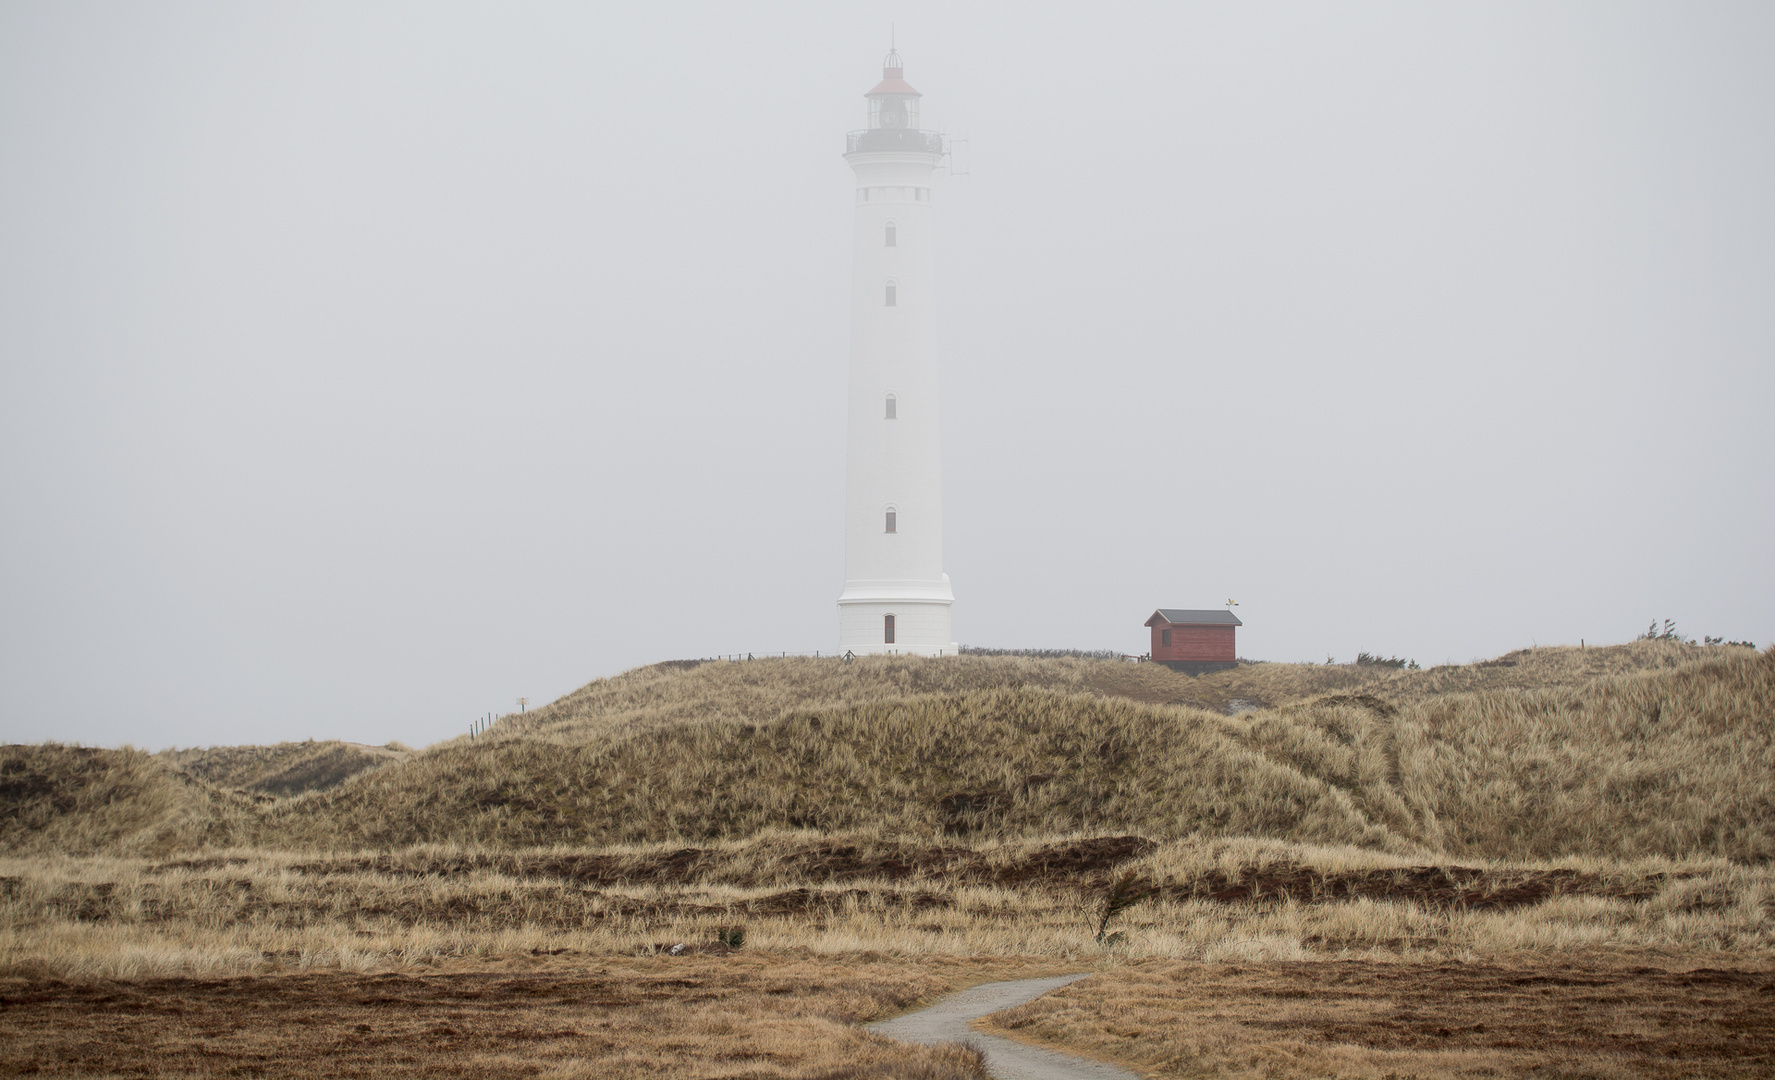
(1664, 751)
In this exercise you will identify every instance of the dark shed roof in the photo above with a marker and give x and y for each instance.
(1191, 617)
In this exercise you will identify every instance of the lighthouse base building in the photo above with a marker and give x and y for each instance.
(913, 622)
(896, 596)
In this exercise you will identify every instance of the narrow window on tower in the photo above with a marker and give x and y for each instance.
(891, 234)
(893, 407)
(1164, 637)
(887, 629)
(893, 295)
(893, 520)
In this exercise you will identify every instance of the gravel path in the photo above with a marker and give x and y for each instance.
(947, 1021)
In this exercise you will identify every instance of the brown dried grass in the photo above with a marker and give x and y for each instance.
(257, 911)
(756, 1016)
(1574, 1016)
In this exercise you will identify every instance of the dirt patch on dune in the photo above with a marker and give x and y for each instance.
(565, 890)
(762, 866)
(811, 901)
(539, 906)
(1153, 684)
(1080, 859)
(1378, 706)
(1447, 887)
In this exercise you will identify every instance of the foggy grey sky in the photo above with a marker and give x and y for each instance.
(364, 367)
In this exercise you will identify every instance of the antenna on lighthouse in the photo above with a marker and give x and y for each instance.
(956, 165)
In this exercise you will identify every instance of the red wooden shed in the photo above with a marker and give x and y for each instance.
(1194, 642)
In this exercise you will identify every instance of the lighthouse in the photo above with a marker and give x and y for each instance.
(896, 596)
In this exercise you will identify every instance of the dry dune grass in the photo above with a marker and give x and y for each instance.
(259, 911)
(689, 692)
(1008, 761)
(1672, 758)
(57, 798)
(680, 692)
(1524, 669)
(283, 769)
(1670, 762)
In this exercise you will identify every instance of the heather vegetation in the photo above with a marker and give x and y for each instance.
(1482, 1019)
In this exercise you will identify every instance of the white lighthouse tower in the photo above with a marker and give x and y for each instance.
(896, 596)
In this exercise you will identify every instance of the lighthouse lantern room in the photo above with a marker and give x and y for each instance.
(896, 596)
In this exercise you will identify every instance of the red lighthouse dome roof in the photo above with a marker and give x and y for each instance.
(892, 81)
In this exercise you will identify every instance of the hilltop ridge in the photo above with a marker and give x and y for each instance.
(288, 768)
(1652, 748)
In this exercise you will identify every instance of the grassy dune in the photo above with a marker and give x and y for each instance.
(66, 799)
(680, 692)
(1525, 669)
(1652, 749)
(1000, 762)
(283, 769)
